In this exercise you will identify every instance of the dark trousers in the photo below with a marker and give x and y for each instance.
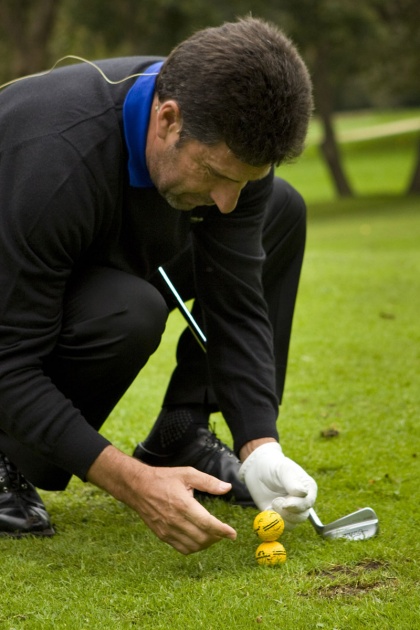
(113, 322)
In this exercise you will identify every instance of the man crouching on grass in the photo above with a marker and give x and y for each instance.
(101, 182)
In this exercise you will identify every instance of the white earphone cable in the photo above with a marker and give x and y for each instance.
(77, 58)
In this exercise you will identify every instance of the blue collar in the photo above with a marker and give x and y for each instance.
(136, 115)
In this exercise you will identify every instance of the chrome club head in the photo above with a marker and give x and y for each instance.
(359, 525)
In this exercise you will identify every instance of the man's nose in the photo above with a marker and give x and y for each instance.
(226, 196)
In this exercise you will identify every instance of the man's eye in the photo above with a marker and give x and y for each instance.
(208, 171)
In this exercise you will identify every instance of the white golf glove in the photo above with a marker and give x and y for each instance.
(275, 481)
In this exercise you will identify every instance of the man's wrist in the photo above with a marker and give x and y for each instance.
(250, 446)
(113, 471)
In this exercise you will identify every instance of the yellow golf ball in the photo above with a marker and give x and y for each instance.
(270, 553)
(268, 525)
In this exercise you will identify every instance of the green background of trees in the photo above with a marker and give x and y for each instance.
(361, 53)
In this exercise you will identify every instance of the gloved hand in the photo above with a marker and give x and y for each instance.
(275, 481)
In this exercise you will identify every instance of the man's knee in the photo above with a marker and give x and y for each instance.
(107, 310)
(145, 317)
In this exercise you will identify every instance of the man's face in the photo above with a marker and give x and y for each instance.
(195, 174)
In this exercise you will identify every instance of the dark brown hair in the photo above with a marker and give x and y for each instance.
(242, 83)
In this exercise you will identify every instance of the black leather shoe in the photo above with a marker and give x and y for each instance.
(22, 512)
(209, 455)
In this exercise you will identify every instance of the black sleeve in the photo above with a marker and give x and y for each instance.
(51, 212)
(228, 275)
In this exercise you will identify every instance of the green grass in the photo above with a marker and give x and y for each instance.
(354, 366)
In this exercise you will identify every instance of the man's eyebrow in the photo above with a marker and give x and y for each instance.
(221, 175)
(230, 179)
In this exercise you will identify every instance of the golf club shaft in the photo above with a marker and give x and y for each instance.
(192, 324)
(313, 519)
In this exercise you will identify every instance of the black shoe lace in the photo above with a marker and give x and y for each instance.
(9, 473)
(213, 441)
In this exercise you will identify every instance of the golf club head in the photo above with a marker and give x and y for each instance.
(359, 525)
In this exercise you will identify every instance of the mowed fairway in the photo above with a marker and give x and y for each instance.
(350, 416)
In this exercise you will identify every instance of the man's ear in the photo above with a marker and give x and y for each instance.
(168, 119)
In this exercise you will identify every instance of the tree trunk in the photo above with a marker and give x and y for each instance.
(414, 185)
(331, 152)
(28, 27)
(324, 106)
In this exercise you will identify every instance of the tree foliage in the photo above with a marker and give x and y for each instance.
(333, 37)
(26, 29)
(398, 71)
(359, 53)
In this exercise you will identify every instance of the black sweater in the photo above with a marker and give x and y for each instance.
(65, 203)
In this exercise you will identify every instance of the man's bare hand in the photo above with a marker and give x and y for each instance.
(163, 498)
